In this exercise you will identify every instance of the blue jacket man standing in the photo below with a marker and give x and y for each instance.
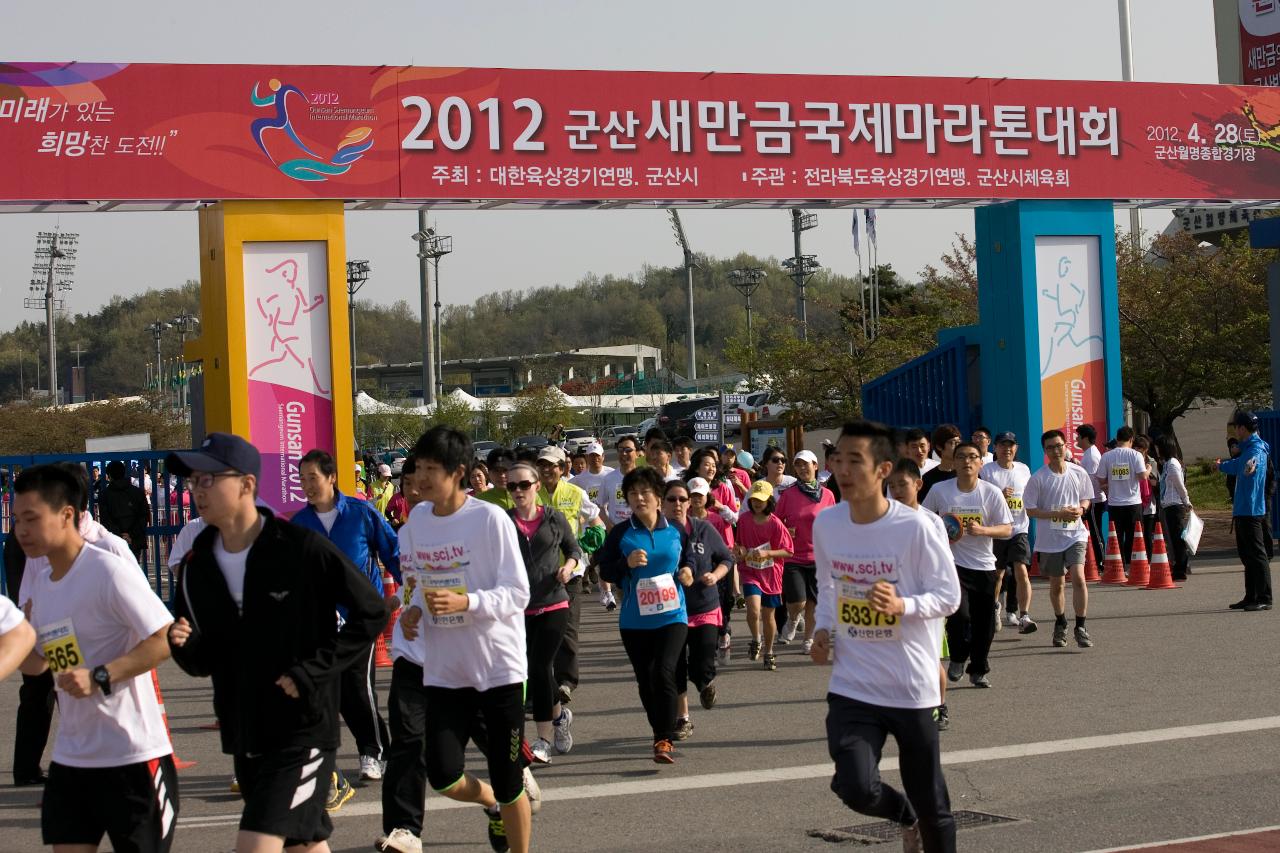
(1249, 511)
(360, 532)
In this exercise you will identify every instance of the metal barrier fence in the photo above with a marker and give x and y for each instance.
(926, 391)
(168, 503)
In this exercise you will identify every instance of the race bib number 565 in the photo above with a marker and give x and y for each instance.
(58, 643)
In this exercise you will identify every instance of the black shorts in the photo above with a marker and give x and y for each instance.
(799, 582)
(451, 717)
(135, 805)
(1009, 552)
(284, 793)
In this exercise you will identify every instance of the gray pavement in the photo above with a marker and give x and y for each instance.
(1169, 669)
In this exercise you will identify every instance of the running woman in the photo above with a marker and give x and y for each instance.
(1058, 496)
(255, 607)
(703, 505)
(711, 562)
(551, 558)
(1013, 555)
(645, 558)
(468, 607)
(100, 631)
(762, 544)
(797, 508)
(981, 515)
(885, 583)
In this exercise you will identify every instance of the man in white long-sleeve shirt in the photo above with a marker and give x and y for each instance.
(467, 616)
(886, 581)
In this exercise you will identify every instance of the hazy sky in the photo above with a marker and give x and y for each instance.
(124, 253)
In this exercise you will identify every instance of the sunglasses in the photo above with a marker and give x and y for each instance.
(626, 450)
(520, 486)
(674, 499)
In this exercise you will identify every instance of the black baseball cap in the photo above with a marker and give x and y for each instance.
(220, 451)
(1006, 436)
(1245, 419)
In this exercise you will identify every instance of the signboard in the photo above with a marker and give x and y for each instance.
(286, 316)
(1260, 42)
(763, 438)
(1070, 322)
(94, 132)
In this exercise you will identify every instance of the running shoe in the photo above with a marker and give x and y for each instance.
(708, 696)
(340, 791)
(941, 717)
(1060, 634)
(740, 603)
(497, 830)
(684, 729)
(800, 623)
(564, 694)
(955, 669)
(997, 619)
(753, 650)
(663, 752)
(1011, 618)
(788, 633)
(611, 605)
(235, 785)
(605, 595)
(1027, 625)
(724, 648)
(370, 768)
(400, 840)
(541, 749)
(979, 680)
(533, 791)
(1083, 640)
(806, 647)
(561, 732)
(911, 842)
(771, 663)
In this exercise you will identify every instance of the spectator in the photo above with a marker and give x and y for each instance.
(124, 508)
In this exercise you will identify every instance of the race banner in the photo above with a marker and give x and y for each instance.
(1260, 42)
(94, 132)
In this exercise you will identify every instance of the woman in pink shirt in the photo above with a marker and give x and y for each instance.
(763, 543)
(703, 505)
(797, 508)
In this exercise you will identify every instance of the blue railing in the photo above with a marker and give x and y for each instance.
(926, 391)
(169, 502)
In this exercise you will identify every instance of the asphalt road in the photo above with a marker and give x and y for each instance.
(1168, 728)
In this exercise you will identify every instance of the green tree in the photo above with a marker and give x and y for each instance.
(491, 423)
(538, 410)
(1193, 325)
(389, 429)
(452, 412)
(30, 429)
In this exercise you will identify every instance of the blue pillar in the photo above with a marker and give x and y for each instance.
(1048, 328)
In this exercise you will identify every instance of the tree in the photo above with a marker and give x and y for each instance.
(28, 429)
(538, 410)
(1193, 325)
(389, 428)
(452, 412)
(491, 424)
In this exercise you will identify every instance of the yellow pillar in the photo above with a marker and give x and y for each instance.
(274, 336)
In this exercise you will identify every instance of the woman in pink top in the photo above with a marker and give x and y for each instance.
(797, 508)
(763, 543)
(705, 464)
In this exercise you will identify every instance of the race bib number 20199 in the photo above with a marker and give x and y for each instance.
(657, 595)
(60, 648)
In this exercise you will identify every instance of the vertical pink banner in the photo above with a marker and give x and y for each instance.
(287, 343)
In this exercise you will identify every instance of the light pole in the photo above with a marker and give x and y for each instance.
(689, 264)
(1126, 74)
(801, 267)
(433, 247)
(746, 280)
(185, 323)
(157, 332)
(357, 275)
(54, 267)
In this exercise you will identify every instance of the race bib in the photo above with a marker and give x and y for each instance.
(59, 646)
(1119, 472)
(455, 581)
(1014, 502)
(857, 618)
(593, 493)
(968, 515)
(410, 581)
(657, 595)
(1057, 524)
(755, 561)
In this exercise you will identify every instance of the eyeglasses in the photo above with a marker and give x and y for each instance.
(622, 450)
(206, 481)
(968, 457)
(1058, 446)
(777, 460)
(520, 486)
(676, 499)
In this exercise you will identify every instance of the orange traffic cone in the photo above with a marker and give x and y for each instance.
(177, 762)
(1113, 563)
(1139, 568)
(1161, 574)
(1034, 570)
(1090, 564)
(382, 646)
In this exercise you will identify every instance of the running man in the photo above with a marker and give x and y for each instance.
(1013, 555)
(468, 608)
(1119, 471)
(101, 631)
(885, 583)
(1058, 495)
(255, 606)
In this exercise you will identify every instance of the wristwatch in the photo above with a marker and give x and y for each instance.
(102, 678)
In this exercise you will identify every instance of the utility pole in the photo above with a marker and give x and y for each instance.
(157, 332)
(54, 277)
(431, 247)
(185, 323)
(801, 267)
(1126, 74)
(689, 264)
(357, 275)
(746, 280)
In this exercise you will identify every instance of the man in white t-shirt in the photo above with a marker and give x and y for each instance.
(1058, 496)
(1013, 555)
(612, 503)
(1087, 438)
(976, 513)
(1119, 471)
(885, 583)
(101, 630)
(17, 638)
(981, 436)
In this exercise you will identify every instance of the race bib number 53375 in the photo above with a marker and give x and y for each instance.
(858, 619)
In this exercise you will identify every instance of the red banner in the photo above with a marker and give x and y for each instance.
(1260, 42)
(93, 132)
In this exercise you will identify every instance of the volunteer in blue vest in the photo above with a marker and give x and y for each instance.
(1249, 511)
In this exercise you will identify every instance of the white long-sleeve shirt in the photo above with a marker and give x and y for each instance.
(473, 551)
(888, 661)
(1173, 485)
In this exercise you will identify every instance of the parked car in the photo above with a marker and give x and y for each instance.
(611, 435)
(764, 406)
(670, 415)
(578, 439)
(537, 442)
(644, 427)
(481, 449)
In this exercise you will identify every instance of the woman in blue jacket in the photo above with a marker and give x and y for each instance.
(646, 558)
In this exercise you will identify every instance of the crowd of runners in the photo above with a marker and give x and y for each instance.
(894, 559)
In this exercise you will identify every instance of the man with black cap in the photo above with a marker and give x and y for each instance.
(256, 610)
(1249, 511)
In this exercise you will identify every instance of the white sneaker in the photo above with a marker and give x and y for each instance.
(400, 840)
(1011, 619)
(999, 626)
(541, 749)
(605, 595)
(787, 629)
(370, 768)
(1026, 625)
(563, 736)
(533, 791)
(800, 622)
(807, 646)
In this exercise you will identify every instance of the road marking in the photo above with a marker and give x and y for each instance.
(670, 784)
(1191, 840)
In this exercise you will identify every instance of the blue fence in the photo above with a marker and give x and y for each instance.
(926, 391)
(1269, 429)
(168, 499)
